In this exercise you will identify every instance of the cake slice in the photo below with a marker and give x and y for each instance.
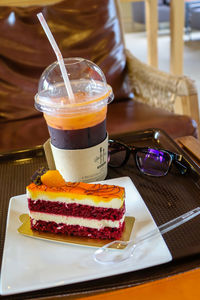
(79, 209)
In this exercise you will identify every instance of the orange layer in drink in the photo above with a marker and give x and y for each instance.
(77, 120)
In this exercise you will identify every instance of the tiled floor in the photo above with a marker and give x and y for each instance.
(137, 44)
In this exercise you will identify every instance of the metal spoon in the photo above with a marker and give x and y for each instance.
(107, 255)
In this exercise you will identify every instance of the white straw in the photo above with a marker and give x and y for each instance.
(58, 55)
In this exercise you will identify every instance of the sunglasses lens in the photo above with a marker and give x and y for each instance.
(153, 162)
(116, 154)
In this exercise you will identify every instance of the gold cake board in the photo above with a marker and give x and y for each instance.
(25, 229)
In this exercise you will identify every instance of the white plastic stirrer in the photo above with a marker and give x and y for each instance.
(58, 55)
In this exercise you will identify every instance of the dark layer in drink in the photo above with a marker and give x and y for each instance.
(79, 138)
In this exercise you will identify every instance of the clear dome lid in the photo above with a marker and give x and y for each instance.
(87, 81)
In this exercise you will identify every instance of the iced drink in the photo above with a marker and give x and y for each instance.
(77, 129)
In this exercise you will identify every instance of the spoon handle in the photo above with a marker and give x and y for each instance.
(168, 226)
(179, 220)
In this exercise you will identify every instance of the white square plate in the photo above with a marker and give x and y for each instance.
(30, 264)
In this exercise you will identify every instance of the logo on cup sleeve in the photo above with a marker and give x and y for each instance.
(101, 158)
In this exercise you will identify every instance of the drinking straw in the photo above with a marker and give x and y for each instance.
(58, 55)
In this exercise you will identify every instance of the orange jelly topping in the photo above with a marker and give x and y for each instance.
(53, 178)
(54, 184)
(100, 190)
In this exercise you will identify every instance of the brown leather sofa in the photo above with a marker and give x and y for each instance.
(89, 29)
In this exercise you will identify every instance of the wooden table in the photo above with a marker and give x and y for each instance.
(176, 28)
(179, 287)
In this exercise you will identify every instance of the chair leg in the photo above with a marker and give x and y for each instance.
(177, 27)
(151, 29)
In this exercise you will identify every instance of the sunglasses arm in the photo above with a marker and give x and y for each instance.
(181, 167)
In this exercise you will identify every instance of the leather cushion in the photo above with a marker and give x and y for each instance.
(91, 31)
(122, 117)
(133, 116)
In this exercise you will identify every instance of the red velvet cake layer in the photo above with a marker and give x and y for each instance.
(76, 230)
(76, 210)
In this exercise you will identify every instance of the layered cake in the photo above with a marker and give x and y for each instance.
(79, 209)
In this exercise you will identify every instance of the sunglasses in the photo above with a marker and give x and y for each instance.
(149, 161)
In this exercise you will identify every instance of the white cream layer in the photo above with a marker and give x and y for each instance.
(115, 203)
(68, 220)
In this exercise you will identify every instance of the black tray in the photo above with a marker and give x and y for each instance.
(166, 198)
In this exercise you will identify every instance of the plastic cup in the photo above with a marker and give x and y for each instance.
(77, 130)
